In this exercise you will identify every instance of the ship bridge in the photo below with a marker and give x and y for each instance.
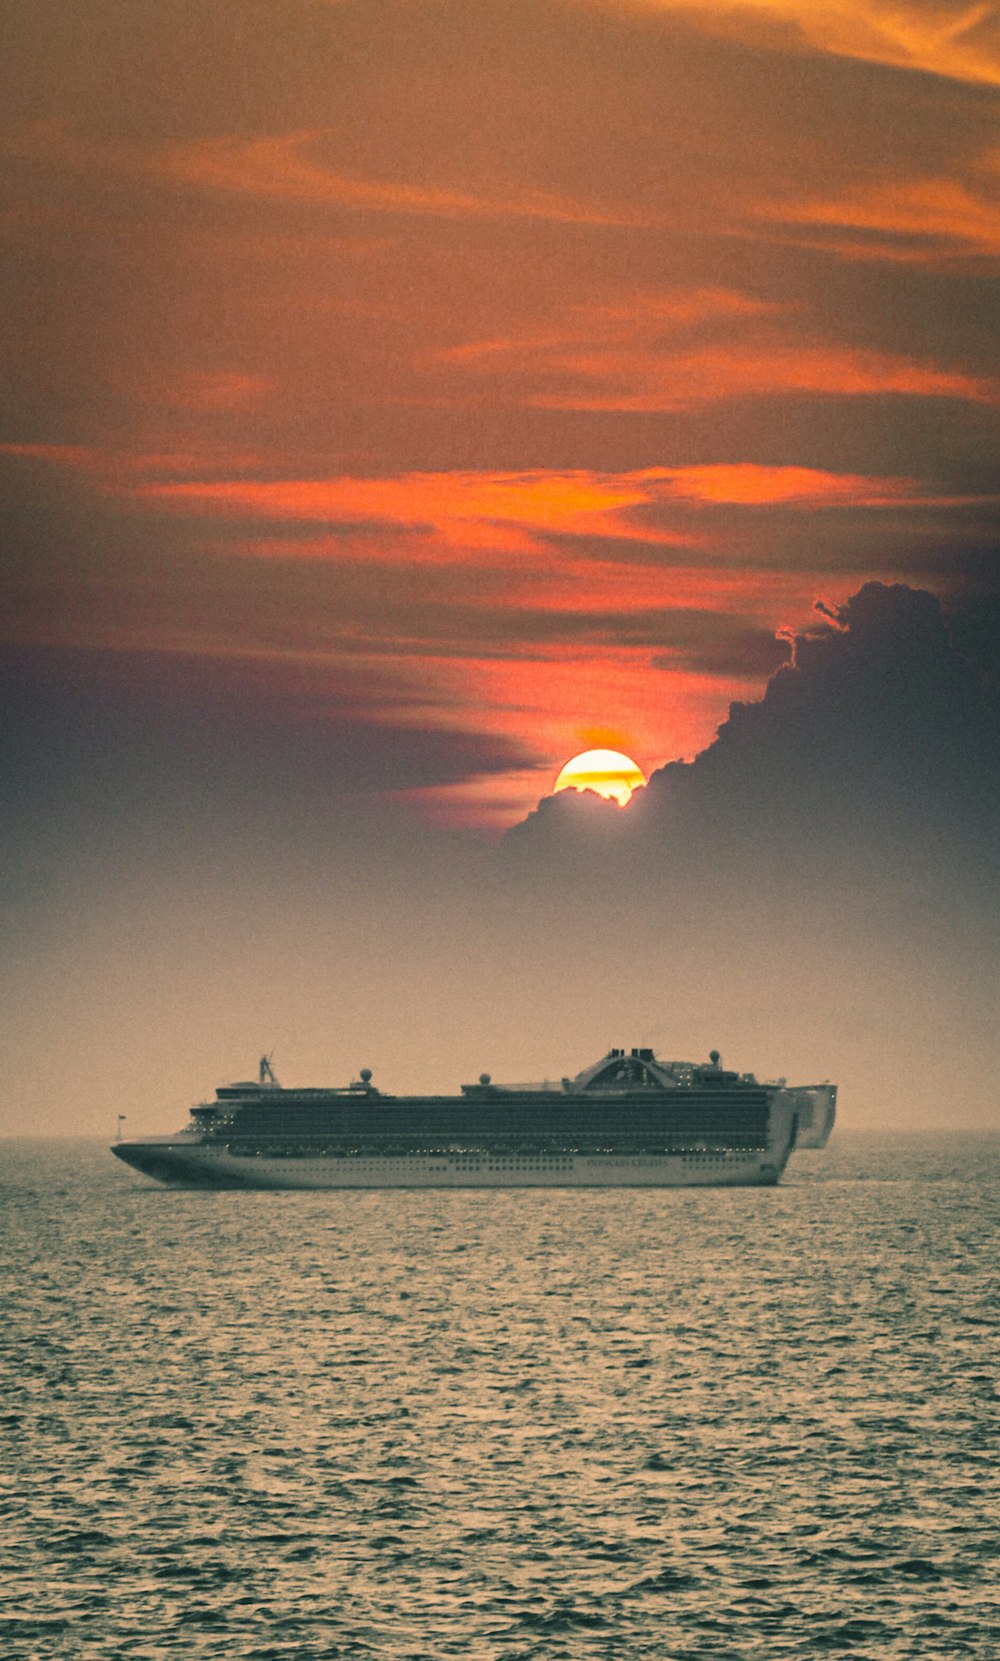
(624, 1071)
(639, 1069)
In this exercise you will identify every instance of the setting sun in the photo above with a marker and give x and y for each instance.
(607, 772)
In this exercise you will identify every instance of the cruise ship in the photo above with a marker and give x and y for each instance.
(628, 1121)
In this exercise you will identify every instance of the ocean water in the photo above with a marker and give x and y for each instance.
(749, 1424)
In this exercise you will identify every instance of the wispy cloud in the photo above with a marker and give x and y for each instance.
(649, 314)
(459, 513)
(489, 520)
(289, 168)
(464, 505)
(656, 352)
(951, 38)
(286, 167)
(749, 484)
(663, 381)
(925, 220)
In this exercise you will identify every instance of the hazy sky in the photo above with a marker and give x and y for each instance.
(399, 398)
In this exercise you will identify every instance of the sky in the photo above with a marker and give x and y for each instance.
(400, 398)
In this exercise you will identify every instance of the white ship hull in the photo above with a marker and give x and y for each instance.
(183, 1161)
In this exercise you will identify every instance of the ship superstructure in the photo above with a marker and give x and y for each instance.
(630, 1120)
(816, 1111)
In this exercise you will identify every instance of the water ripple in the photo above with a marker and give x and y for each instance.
(505, 1427)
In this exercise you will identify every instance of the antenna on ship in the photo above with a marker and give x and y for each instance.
(266, 1072)
(121, 1121)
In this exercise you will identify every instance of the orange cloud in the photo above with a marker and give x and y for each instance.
(586, 587)
(118, 470)
(283, 168)
(462, 504)
(952, 38)
(279, 168)
(457, 514)
(650, 381)
(641, 349)
(549, 523)
(747, 484)
(639, 313)
(941, 218)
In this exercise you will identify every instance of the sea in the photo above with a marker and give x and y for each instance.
(507, 1426)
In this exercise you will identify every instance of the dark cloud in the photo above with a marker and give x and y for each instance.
(826, 874)
(974, 627)
(876, 752)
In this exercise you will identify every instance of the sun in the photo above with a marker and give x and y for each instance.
(607, 772)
